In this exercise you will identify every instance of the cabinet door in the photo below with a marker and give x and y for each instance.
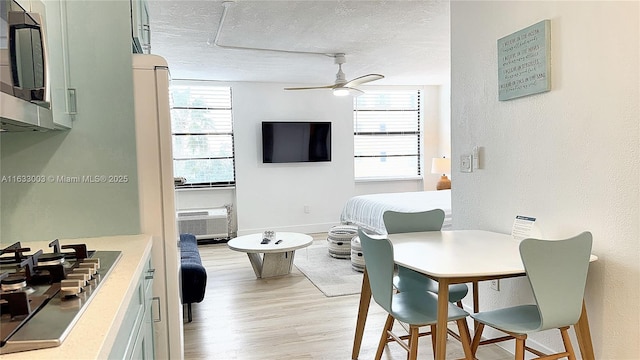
(145, 28)
(135, 338)
(126, 340)
(55, 31)
(148, 345)
(143, 347)
(140, 28)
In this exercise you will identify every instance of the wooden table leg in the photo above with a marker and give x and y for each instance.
(584, 335)
(476, 297)
(443, 314)
(476, 302)
(363, 310)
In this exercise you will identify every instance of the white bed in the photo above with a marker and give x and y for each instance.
(366, 211)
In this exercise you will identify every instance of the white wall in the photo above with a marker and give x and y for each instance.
(569, 157)
(444, 108)
(205, 198)
(274, 195)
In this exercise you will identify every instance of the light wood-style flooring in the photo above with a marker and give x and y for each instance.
(285, 318)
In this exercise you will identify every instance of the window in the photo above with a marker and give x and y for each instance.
(386, 129)
(202, 127)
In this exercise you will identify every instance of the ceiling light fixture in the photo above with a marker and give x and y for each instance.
(340, 92)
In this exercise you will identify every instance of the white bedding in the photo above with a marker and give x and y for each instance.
(366, 210)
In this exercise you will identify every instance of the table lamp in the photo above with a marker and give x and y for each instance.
(442, 166)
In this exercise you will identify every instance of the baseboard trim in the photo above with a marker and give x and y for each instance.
(305, 228)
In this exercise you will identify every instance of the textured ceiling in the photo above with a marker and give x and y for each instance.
(407, 41)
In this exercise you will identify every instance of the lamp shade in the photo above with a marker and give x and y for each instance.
(440, 166)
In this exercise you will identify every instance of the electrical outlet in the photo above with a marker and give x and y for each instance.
(495, 285)
(307, 209)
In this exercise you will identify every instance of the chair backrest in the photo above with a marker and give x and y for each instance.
(401, 222)
(378, 259)
(557, 272)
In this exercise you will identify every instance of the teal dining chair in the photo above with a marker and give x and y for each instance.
(414, 307)
(557, 272)
(402, 222)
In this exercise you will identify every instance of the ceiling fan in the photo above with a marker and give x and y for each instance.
(342, 87)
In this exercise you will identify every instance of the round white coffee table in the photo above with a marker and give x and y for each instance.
(278, 255)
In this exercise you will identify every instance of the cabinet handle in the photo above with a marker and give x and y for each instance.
(72, 102)
(151, 272)
(159, 319)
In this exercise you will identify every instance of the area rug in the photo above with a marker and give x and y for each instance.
(334, 277)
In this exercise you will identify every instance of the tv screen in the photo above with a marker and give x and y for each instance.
(287, 142)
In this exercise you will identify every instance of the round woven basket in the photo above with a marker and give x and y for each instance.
(339, 240)
(357, 258)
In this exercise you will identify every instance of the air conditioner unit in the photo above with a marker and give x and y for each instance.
(204, 224)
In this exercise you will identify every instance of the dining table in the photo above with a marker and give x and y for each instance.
(455, 257)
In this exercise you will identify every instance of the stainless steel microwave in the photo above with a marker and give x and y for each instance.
(24, 99)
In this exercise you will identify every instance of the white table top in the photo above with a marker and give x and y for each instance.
(459, 253)
(251, 243)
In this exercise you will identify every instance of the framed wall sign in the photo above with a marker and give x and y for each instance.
(524, 63)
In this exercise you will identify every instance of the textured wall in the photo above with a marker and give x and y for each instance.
(569, 157)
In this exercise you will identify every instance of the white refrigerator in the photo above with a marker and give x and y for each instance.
(157, 199)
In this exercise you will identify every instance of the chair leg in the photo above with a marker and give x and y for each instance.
(477, 334)
(433, 338)
(465, 338)
(413, 342)
(520, 340)
(567, 343)
(189, 312)
(385, 336)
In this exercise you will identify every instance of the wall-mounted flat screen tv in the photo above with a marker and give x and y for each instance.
(296, 141)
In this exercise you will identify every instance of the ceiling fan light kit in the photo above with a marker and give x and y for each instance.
(340, 92)
(341, 87)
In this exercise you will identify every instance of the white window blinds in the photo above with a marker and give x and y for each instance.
(387, 134)
(202, 127)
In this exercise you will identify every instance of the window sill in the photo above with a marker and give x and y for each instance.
(381, 179)
(213, 188)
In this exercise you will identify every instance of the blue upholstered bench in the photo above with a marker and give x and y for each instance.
(194, 275)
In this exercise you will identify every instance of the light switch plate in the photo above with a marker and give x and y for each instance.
(465, 163)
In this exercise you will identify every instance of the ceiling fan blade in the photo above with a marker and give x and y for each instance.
(363, 79)
(312, 87)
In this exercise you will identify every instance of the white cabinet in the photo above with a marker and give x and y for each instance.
(135, 337)
(63, 102)
(62, 96)
(143, 347)
(140, 27)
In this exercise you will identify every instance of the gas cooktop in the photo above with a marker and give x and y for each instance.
(43, 295)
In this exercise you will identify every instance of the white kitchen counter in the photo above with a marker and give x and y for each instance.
(94, 334)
